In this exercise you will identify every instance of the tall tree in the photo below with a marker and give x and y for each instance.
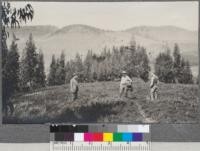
(177, 63)
(12, 66)
(186, 73)
(52, 73)
(88, 65)
(182, 69)
(11, 73)
(69, 71)
(5, 96)
(4, 50)
(131, 65)
(40, 77)
(115, 63)
(29, 64)
(143, 64)
(22, 72)
(60, 70)
(164, 67)
(78, 66)
(10, 17)
(57, 75)
(78, 63)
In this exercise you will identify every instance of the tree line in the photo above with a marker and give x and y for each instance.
(173, 68)
(11, 17)
(105, 66)
(26, 73)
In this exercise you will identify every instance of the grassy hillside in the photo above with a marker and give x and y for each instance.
(100, 102)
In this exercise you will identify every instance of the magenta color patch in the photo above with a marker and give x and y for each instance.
(87, 137)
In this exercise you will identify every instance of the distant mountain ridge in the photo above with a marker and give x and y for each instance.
(80, 38)
(39, 30)
(78, 27)
(166, 32)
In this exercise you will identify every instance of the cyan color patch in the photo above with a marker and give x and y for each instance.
(127, 137)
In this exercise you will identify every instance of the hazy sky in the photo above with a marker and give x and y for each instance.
(115, 16)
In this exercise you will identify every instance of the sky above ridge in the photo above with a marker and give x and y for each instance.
(116, 15)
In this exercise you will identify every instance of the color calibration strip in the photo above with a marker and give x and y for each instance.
(100, 133)
(99, 137)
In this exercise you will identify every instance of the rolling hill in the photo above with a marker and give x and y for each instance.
(80, 38)
(177, 103)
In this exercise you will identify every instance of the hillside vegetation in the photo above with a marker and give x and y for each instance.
(100, 102)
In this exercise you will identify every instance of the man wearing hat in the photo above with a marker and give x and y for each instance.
(74, 86)
(125, 84)
(154, 87)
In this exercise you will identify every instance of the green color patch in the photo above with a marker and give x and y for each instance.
(117, 137)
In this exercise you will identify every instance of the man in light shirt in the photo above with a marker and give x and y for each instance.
(125, 84)
(74, 87)
(154, 87)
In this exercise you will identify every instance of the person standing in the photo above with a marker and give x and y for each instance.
(154, 87)
(74, 86)
(125, 84)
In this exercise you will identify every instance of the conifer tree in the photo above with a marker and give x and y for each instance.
(88, 65)
(10, 18)
(57, 73)
(164, 67)
(29, 64)
(52, 73)
(62, 68)
(69, 71)
(11, 72)
(4, 51)
(143, 64)
(78, 66)
(182, 69)
(40, 77)
(115, 64)
(131, 65)
(186, 73)
(177, 63)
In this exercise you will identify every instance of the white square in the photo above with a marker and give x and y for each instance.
(143, 128)
(133, 128)
(79, 137)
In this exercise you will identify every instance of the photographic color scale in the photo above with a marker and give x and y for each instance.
(99, 137)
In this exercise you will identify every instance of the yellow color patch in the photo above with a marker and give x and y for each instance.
(107, 137)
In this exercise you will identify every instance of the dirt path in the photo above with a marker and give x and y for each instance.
(143, 114)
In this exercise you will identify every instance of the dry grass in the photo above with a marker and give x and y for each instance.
(100, 102)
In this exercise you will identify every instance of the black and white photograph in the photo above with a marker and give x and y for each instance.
(100, 62)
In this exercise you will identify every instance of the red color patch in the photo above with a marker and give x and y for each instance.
(97, 137)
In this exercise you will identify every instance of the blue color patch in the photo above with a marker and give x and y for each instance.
(137, 137)
(127, 137)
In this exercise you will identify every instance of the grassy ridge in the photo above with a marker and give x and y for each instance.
(100, 102)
